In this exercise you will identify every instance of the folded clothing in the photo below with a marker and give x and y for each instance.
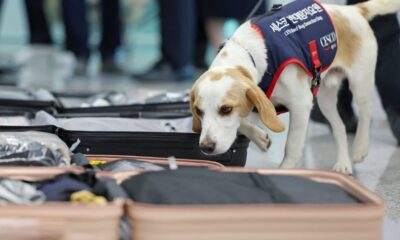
(18, 192)
(86, 197)
(61, 187)
(204, 186)
(128, 165)
(33, 149)
(107, 124)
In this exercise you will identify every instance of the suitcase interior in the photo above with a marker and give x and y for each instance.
(57, 220)
(154, 144)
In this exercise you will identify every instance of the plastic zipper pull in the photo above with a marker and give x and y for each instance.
(75, 145)
(172, 163)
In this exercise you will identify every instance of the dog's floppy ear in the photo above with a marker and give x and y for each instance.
(196, 125)
(266, 109)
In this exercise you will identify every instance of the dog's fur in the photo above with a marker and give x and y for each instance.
(222, 99)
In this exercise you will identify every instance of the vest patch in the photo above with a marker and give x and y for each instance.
(300, 32)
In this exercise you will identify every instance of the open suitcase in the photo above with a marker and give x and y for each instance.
(63, 220)
(57, 220)
(135, 137)
(15, 101)
(363, 220)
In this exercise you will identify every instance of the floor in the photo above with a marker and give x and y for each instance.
(380, 171)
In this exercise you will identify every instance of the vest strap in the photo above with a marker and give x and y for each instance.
(316, 80)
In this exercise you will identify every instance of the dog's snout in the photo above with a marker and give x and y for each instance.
(207, 147)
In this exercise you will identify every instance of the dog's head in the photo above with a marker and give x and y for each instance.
(220, 99)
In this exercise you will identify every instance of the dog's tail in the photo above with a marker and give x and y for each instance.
(373, 8)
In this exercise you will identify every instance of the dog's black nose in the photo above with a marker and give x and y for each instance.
(207, 147)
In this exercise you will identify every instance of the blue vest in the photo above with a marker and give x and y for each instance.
(300, 32)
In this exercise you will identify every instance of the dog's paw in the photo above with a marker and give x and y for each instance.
(288, 163)
(344, 167)
(360, 154)
(262, 141)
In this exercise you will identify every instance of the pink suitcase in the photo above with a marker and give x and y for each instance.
(56, 220)
(260, 222)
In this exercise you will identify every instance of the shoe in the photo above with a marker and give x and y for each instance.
(81, 67)
(185, 73)
(347, 114)
(109, 66)
(162, 71)
(394, 121)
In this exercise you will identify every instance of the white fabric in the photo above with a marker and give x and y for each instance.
(183, 125)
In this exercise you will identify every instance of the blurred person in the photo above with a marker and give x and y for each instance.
(77, 33)
(178, 22)
(39, 32)
(216, 13)
(387, 32)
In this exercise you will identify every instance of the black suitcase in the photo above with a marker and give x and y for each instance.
(155, 144)
(15, 101)
(22, 102)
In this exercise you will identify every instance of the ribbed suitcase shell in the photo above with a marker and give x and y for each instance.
(260, 222)
(56, 220)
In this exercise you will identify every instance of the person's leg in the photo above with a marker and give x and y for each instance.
(1, 7)
(178, 20)
(387, 31)
(76, 27)
(178, 31)
(201, 40)
(215, 31)
(38, 28)
(111, 28)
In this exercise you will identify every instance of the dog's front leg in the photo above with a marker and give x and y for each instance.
(299, 117)
(255, 134)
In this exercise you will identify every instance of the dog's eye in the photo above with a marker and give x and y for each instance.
(199, 112)
(225, 110)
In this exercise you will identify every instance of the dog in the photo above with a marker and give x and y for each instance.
(223, 99)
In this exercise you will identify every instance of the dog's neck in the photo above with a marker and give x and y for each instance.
(246, 48)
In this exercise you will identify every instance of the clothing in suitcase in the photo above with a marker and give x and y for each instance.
(56, 220)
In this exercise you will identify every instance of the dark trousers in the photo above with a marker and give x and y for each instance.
(77, 27)
(178, 31)
(387, 32)
(38, 28)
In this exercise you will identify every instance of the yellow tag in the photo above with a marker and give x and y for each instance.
(97, 162)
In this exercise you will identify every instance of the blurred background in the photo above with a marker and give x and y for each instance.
(60, 45)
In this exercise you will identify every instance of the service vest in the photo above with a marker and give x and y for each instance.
(300, 32)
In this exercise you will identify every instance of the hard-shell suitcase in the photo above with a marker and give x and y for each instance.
(56, 220)
(265, 221)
